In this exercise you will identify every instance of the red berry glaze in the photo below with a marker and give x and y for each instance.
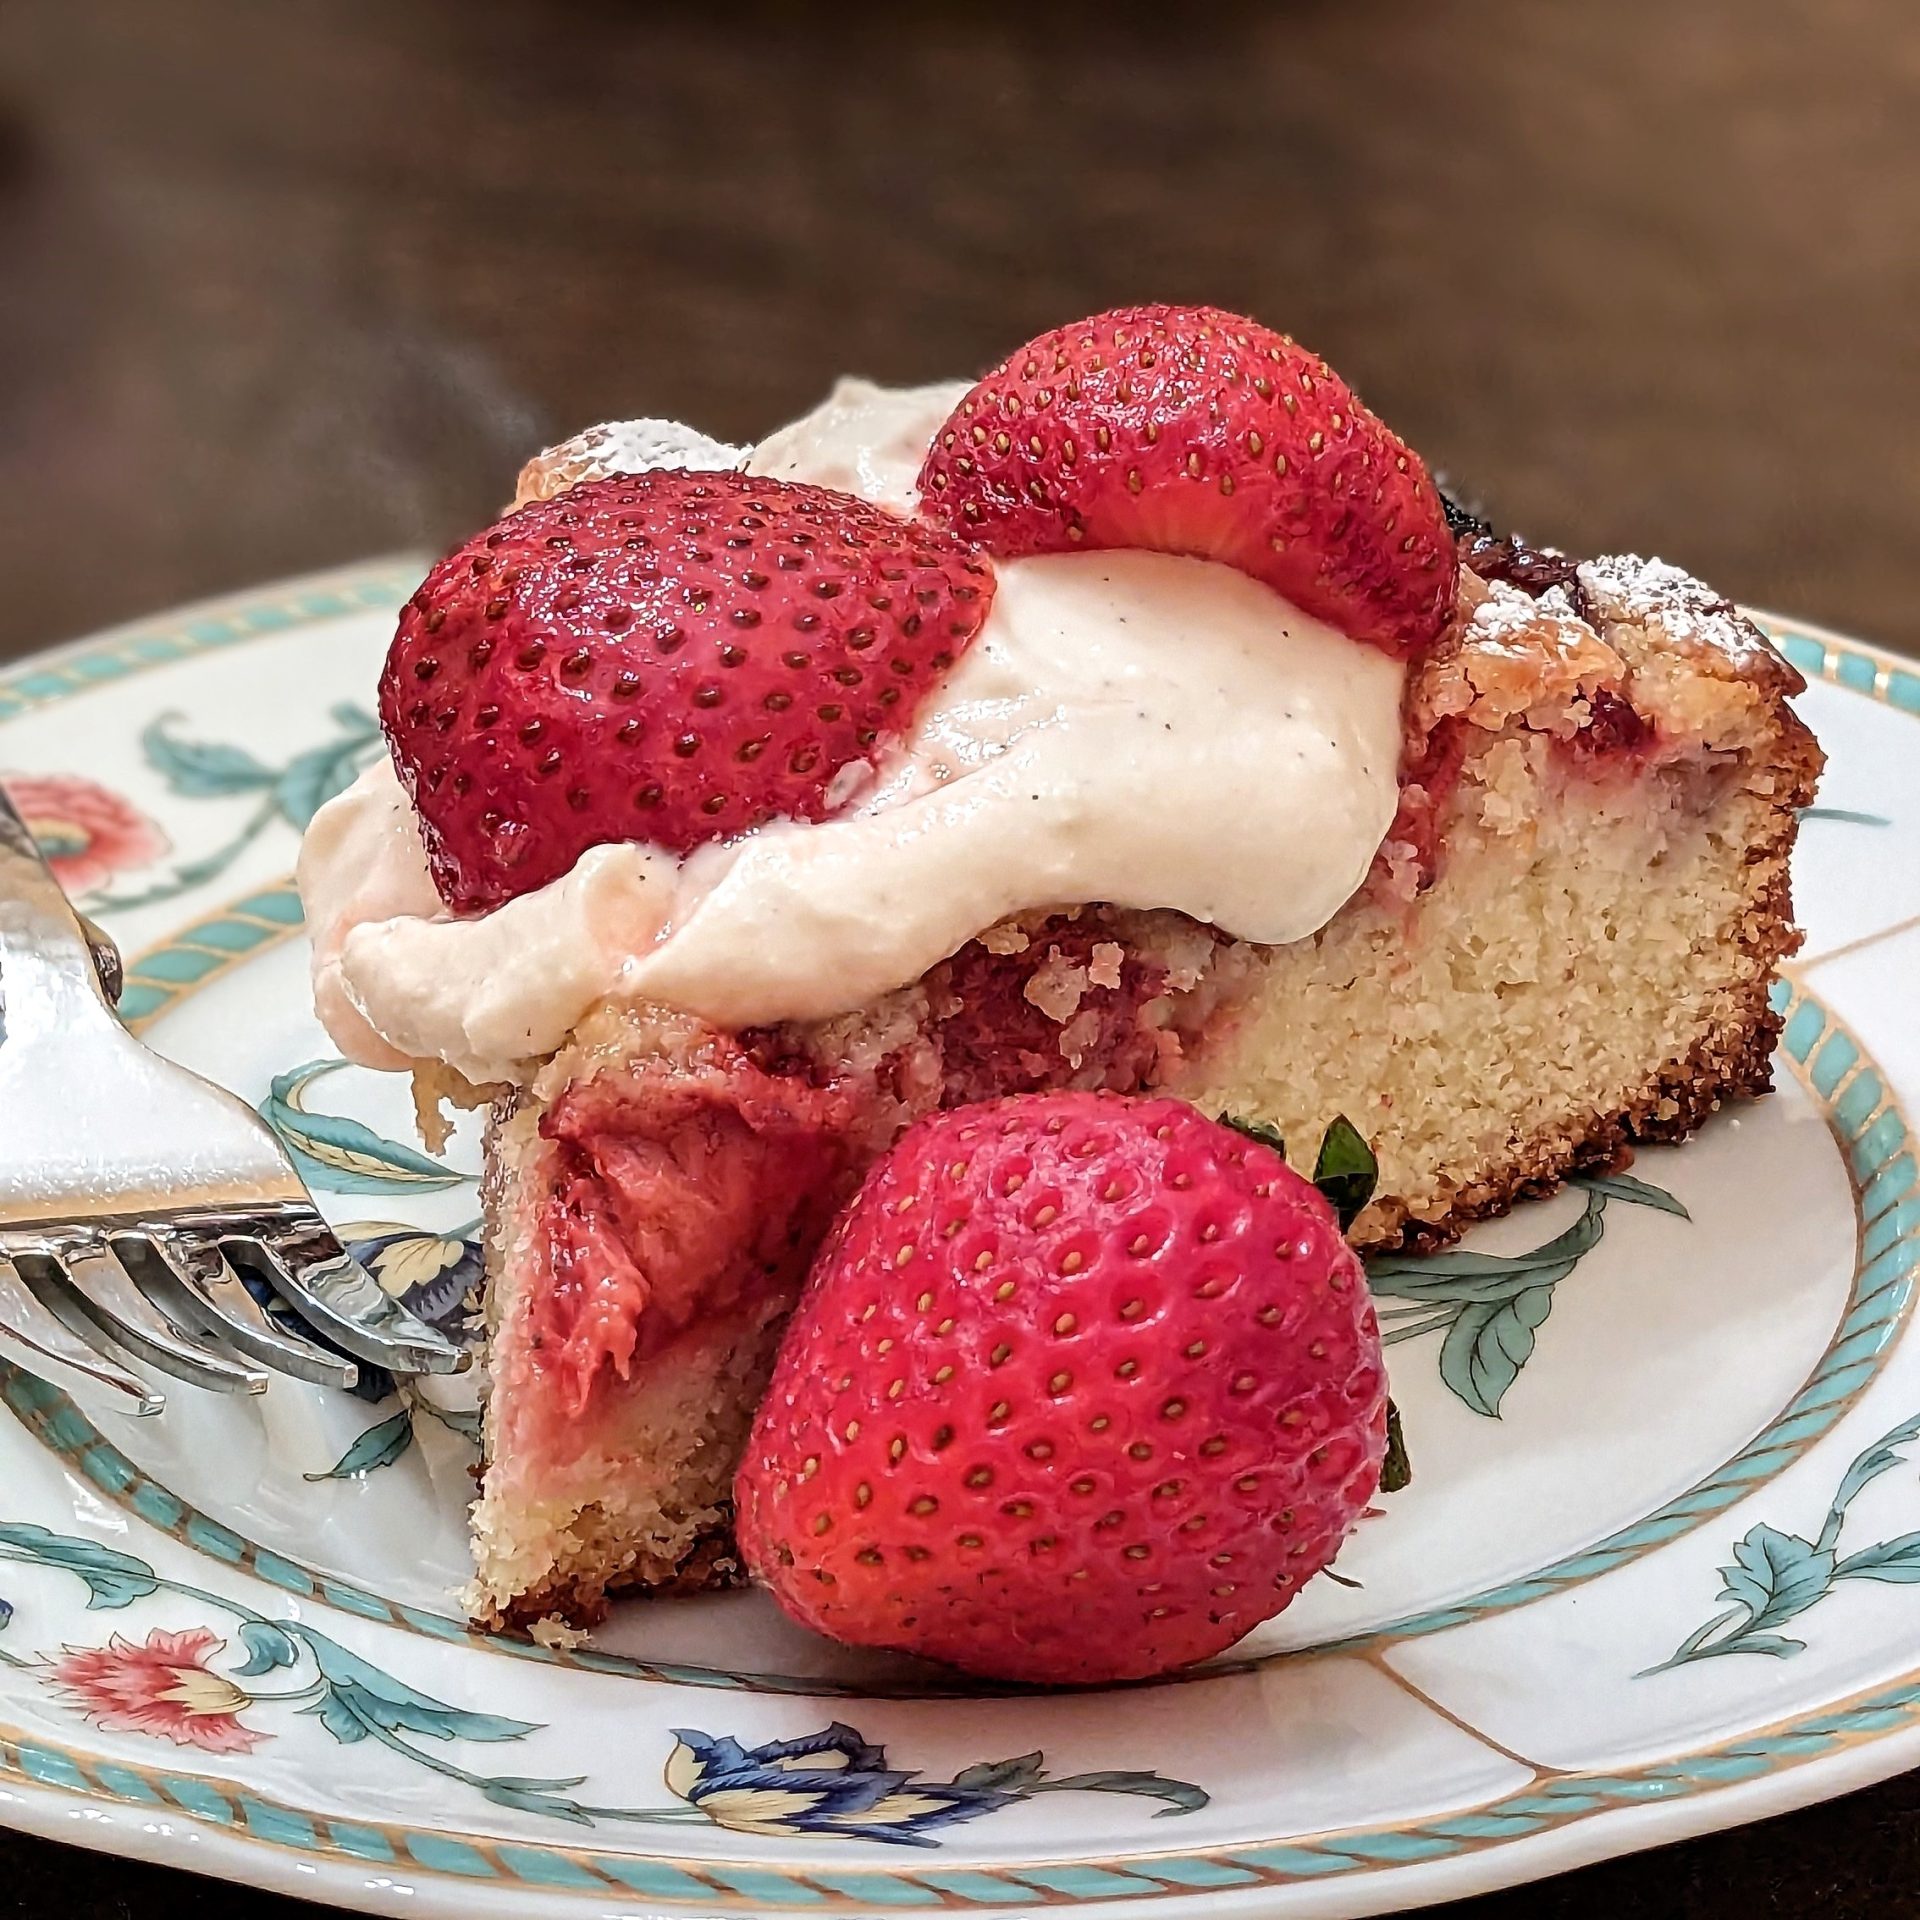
(1082, 1387)
(1191, 431)
(670, 657)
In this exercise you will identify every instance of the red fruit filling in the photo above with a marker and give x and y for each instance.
(677, 1193)
(675, 1197)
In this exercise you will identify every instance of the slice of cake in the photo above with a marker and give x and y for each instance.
(1174, 742)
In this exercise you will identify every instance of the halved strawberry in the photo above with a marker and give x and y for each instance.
(671, 657)
(1192, 431)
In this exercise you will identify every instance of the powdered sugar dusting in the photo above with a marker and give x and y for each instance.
(1653, 593)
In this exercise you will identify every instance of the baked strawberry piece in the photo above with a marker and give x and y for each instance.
(671, 657)
(1192, 431)
(1082, 1388)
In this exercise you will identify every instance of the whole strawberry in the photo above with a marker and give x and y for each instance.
(1082, 1388)
(671, 657)
(1192, 431)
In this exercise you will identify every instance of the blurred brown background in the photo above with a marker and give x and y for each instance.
(291, 283)
(288, 284)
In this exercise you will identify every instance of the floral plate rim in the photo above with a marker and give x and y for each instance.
(78, 1796)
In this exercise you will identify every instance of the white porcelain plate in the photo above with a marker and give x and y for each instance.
(1659, 1569)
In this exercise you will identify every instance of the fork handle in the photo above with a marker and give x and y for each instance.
(47, 965)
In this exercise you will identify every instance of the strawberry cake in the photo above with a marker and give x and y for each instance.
(1138, 719)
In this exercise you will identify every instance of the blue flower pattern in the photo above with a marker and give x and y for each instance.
(828, 1782)
(837, 1782)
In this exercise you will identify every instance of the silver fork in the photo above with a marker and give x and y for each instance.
(133, 1193)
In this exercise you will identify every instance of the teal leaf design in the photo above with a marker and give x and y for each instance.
(1002, 1776)
(312, 778)
(339, 1719)
(198, 769)
(267, 1647)
(1872, 1462)
(113, 1579)
(1775, 1575)
(1264, 1131)
(460, 1420)
(373, 1699)
(1638, 1193)
(1346, 1171)
(1895, 1561)
(1489, 1276)
(1776, 1644)
(1852, 816)
(1487, 1345)
(379, 1446)
(342, 1155)
(211, 770)
(1181, 1796)
(1487, 1305)
(537, 1796)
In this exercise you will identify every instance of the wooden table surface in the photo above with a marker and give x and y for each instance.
(289, 284)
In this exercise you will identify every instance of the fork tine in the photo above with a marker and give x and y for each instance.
(106, 1292)
(33, 1337)
(317, 1277)
(199, 1272)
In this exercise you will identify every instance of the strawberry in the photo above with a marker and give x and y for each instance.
(668, 656)
(1082, 1387)
(1188, 430)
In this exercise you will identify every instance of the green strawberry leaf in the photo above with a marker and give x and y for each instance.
(1346, 1171)
(1396, 1471)
(1261, 1130)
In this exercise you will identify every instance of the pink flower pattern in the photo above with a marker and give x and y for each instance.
(87, 832)
(163, 1685)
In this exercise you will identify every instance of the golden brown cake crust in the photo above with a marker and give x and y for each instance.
(710, 1566)
(1536, 638)
(1732, 1063)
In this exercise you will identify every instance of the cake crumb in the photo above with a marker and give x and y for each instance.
(1104, 968)
(1057, 986)
(556, 1636)
(430, 1116)
(1005, 938)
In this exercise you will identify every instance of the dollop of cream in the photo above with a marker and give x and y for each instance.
(862, 439)
(1128, 727)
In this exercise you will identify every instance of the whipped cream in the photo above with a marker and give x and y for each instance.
(1127, 727)
(862, 439)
